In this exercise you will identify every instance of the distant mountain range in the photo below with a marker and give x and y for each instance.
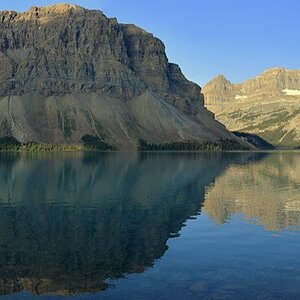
(267, 105)
(67, 72)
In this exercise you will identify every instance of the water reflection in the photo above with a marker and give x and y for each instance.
(68, 222)
(267, 192)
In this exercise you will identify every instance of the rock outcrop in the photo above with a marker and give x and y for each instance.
(267, 105)
(66, 72)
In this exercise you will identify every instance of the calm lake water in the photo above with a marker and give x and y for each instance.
(150, 226)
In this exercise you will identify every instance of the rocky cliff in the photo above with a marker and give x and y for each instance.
(267, 105)
(66, 72)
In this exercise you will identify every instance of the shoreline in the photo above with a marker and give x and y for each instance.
(149, 151)
(95, 144)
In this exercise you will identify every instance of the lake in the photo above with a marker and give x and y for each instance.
(150, 226)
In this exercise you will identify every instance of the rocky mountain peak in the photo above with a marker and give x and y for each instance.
(52, 10)
(66, 72)
(218, 87)
(221, 78)
(40, 12)
(57, 8)
(266, 105)
(272, 82)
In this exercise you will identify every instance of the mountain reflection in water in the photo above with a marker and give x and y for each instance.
(69, 222)
(266, 192)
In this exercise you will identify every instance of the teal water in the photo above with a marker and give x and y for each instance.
(150, 226)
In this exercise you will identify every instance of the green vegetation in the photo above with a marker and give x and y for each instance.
(255, 140)
(192, 146)
(89, 143)
(10, 144)
(249, 117)
(235, 114)
(93, 143)
(275, 137)
(273, 120)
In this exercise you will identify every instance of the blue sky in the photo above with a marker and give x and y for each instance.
(237, 38)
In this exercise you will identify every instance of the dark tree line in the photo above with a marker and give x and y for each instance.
(192, 146)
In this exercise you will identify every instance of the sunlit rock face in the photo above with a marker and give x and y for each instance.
(66, 72)
(267, 105)
(266, 192)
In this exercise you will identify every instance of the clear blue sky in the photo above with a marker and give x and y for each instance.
(237, 38)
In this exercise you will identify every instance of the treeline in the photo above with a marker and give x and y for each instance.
(10, 144)
(93, 143)
(89, 143)
(192, 146)
(255, 140)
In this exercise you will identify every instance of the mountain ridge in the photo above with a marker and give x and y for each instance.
(267, 105)
(67, 72)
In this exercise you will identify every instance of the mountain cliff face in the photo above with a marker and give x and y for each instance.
(66, 72)
(267, 105)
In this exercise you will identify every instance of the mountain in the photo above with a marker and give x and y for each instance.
(67, 72)
(267, 105)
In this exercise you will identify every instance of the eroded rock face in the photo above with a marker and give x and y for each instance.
(66, 71)
(267, 105)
